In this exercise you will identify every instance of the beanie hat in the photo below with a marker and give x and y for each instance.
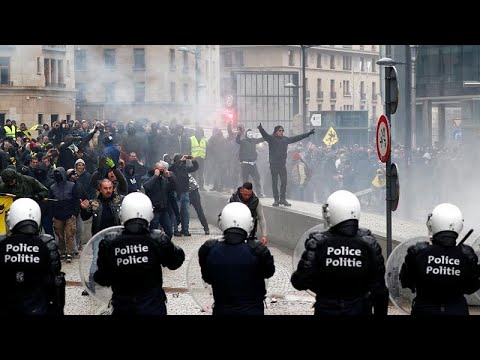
(79, 161)
(107, 140)
(276, 128)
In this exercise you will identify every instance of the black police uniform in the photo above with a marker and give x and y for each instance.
(237, 270)
(345, 268)
(30, 276)
(132, 265)
(440, 273)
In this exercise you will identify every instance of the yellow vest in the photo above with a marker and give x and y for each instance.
(5, 202)
(10, 131)
(199, 150)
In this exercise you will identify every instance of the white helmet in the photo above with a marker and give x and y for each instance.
(21, 210)
(445, 217)
(236, 215)
(341, 205)
(136, 205)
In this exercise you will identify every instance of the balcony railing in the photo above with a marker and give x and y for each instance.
(57, 85)
(333, 95)
(319, 94)
(9, 83)
(363, 96)
(61, 48)
(374, 97)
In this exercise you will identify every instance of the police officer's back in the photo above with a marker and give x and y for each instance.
(30, 276)
(236, 268)
(441, 272)
(344, 265)
(132, 262)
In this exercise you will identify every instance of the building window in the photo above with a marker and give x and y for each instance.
(172, 91)
(362, 107)
(185, 93)
(172, 60)
(60, 75)
(319, 61)
(362, 64)
(81, 59)
(46, 67)
(306, 57)
(374, 111)
(227, 55)
(53, 118)
(139, 92)
(110, 92)
(39, 65)
(346, 88)
(109, 58)
(185, 62)
(374, 90)
(332, 61)
(332, 107)
(319, 88)
(68, 68)
(319, 107)
(139, 58)
(374, 66)
(81, 94)
(239, 57)
(347, 63)
(69, 117)
(374, 47)
(40, 119)
(290, 58)
(4, 71)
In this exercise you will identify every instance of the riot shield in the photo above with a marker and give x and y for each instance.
(476, 247)
(277, 286)
(88, 265)
(300, 248)
(400, 297)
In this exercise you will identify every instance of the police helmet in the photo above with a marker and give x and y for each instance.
(22, 211)
(136, 205)
(445, 217)
(342, 205)
(236, 215)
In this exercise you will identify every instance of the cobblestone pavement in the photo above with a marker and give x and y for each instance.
(282, 298)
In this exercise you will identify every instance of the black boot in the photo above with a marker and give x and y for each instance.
(285, 203)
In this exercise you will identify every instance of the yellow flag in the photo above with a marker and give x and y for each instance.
(34, 127)
(330, 137)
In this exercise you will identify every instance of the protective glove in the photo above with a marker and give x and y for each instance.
(259, 126)
(109, 162)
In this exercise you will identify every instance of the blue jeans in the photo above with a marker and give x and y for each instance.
(162, 218)
(93, 265)
(184, 210)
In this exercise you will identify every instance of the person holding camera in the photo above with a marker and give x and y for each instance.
(157, 189)
(181, 167)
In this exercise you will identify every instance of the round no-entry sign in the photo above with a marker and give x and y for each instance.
(383, 139)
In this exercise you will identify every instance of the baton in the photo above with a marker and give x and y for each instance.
(465, 237)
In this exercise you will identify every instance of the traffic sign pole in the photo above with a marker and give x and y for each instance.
(388, 114)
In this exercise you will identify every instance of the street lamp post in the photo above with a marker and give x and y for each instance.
(196, 52)
(413, 109)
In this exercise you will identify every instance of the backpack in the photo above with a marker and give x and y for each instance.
(308, 171)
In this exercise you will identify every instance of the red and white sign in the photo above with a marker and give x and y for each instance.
(457, 122)
(383, 139)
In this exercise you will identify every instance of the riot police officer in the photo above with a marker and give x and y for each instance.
(30, 276)
(236, 268)
(441, 272)
(343, 265)
(132, 262)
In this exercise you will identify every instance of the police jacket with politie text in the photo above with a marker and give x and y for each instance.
(441, 271)
(236, 269)
(29, 275)
(344, 262)
(132, 262)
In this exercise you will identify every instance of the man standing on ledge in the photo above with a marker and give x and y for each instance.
(277, 153)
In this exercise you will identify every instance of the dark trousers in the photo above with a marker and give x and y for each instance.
(276, 171)
(197, 205)
(251, 170)
(360, 306)
(149, 303)
(198, 175)
(162, 218)
(425, 308)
